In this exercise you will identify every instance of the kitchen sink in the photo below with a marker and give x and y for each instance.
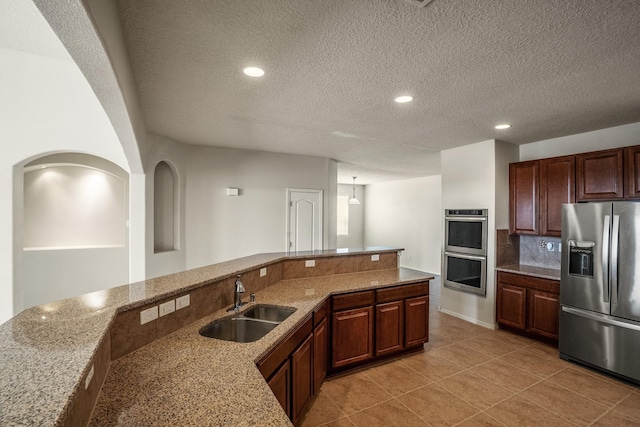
(269, 313)
(250, 326)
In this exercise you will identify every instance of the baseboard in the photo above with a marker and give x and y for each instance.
(468, 319)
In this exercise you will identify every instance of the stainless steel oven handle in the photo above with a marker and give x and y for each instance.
(479, 258)
(605, 259)
(600, 318)
(465, 218)
(614, 258)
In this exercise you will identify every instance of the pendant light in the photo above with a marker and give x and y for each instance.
(353, 200)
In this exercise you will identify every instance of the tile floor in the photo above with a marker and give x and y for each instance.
(472, 376)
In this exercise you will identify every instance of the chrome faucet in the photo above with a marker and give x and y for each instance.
(238, 295)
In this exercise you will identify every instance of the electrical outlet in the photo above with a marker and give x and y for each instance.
(263, 271)
(167, 307)
(309, 292)
(375, 257)
(87, 380)
(374, 283)
(183, 302)
(310, 263)
(148, 315)
(550, 246)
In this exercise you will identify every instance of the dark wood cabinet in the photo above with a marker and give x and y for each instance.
(280, 384)
(351, 336)
(528, 304)
(301, 379)
(524, 208)
(600, 175)
(632, 172)
(320, 343)
(416, 321)
(389, 327)
(557, 186)
(543, 309)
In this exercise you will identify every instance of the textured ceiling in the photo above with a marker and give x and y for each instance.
(550, 68)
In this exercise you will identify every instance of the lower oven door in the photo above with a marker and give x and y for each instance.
(467, 273)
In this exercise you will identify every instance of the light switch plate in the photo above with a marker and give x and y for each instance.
(263, 271)
(375, 257)
(148, 315)
(310, 263)
(87, 380)
(183, 301)
(167, 307)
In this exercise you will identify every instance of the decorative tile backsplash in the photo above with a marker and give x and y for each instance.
(540, 251)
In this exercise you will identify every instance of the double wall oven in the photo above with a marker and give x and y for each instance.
(465, 250)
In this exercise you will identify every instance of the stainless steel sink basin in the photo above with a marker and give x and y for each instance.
(238, 329)
(250, 326)
(269, 313)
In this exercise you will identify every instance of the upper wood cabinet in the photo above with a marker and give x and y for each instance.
(600, 175)
(524, 181)
(557, 186)
(632, 172)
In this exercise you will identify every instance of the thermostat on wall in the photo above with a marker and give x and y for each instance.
(232, 191)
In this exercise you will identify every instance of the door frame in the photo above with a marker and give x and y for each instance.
(288, 209)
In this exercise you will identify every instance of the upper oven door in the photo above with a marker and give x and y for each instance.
(467, 235)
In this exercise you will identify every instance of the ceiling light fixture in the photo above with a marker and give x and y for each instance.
(503, 126)
(404, 99)
(253, 72)
(353, 200)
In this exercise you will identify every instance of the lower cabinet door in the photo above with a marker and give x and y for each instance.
(301, 378)
(544, 312)
(416, 321)
(320, 341)
(280, 383)
(389, 328)
(351, 336)
(511, 306)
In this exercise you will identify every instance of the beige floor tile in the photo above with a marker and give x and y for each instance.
(506, 375)
(481, 420)
(564, 402)
(322, 411)
(437, 341)
(396, 378)
(491, 346)
(438, 406)
(389, 413)
(462, 355)
(534, 364)
(616, 419)
(475, 389)
(342, 422)
(511, 338)
(432, 367)
(598, 389)
(456, 332)
(630, 406)
(519, 412)
(353, 393)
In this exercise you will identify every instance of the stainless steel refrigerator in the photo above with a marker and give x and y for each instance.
(600, 287)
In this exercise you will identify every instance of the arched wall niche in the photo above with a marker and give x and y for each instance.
(166, 211)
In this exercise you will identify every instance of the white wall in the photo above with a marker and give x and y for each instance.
(473, 177)
(34, 88)
(407, 214)
(355, 238)
(221, 227)
(619, 136)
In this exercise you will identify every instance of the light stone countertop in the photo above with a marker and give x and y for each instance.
(184, 378)
(45, 350)
(528, 270)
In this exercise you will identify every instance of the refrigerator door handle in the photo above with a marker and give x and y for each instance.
(602, 318)
(614, 258)
(605, 258)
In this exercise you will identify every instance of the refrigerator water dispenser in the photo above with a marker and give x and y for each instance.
(581, 258)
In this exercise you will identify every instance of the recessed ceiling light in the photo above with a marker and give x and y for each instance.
(503, 126)
(403, 99)
(254, 72)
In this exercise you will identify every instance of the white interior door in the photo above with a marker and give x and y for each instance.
(304, 219)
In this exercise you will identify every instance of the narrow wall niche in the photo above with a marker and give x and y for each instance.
(165, 202)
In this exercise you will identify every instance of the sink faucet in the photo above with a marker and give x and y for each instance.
(238, 295)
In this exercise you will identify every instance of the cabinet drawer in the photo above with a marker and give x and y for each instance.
(274, 359)
(320, 313)
(352, 300)
(401, 292)
(546, 285)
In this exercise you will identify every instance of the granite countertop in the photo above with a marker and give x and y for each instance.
(204, 381)
(46, 349)
(528, 270)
